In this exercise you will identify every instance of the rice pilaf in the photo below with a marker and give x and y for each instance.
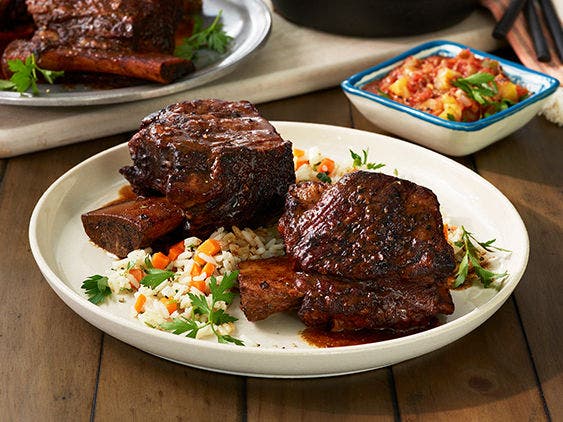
(172, 298)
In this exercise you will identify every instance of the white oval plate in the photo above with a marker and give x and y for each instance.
(66, 258)
(247, 21)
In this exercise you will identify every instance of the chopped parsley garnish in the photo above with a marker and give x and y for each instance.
(96, 288)
(478, 86)
(215, 317)
(25, 76)
(362, 161)
(323, 177)
(155, 277)
(383, 94)
(211, 38)
(471, 259)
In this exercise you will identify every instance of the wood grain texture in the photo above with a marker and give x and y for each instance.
(486, 375)
(528, 169)
(39, 334)
(360, 397)
(136, 386)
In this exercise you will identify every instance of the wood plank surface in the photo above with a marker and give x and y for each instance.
(528, 168)
(360, 397)
(39, 334)
(487, 375)
(136, 386)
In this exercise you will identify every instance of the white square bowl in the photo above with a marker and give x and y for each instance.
(445, 136)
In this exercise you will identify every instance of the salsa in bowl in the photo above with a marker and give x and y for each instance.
(451, 98)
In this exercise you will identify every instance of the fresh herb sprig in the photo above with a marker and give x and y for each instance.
(97, 288)
(211, 38)
(362, 161)
(482, 87)
(215, 317)
(26, 74)
(154, 276)
(471, 259)
(478, 86)
(324, 177)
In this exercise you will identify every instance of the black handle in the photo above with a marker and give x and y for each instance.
(552, 20)
(508, 18)
(540, 44)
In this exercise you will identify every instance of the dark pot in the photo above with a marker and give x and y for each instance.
(375, 18)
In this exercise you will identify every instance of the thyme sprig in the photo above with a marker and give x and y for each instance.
(472, 258)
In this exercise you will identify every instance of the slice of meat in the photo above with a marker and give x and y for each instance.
(389, 303)
(367, 226)
(220, 161)
(125, 25)
(270, 286)
(155, 67)
(266, 287)
(122, 227)
(127, 38)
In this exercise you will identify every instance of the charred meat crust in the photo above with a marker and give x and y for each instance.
(270, 286)
(220, 161)
(118, 38)
(367, 226)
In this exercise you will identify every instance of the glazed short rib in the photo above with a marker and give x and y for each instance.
(220, 163)
(128, 38)
(366, 252)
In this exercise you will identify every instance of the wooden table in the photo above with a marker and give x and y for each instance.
(54, 366)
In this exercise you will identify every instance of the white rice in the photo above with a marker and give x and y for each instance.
(236, 246)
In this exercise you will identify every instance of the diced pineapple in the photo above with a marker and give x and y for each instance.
(452, 108)
(508, 90)
(400, 88)
(443, 78)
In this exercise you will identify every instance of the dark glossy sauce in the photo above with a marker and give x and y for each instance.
(124, 194)
(321, 338)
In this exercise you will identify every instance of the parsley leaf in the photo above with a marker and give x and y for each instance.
(478, 86)
(229, 339)
(478, 78)
(323, 177)
(155, 277)
(25, 75)
(215, 317)
(222, 291)
(96, 288)
(471, 260)
(181, 325)
(362, 161)
(211, 38)
(7, 85)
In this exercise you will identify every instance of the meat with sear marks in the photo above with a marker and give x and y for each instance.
(220, 161)
(366, 226)
(129, 38)
(368, 252)
(272, 285)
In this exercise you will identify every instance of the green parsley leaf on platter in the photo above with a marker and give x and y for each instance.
(212, 38)
(26, 74)
(96, 288)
